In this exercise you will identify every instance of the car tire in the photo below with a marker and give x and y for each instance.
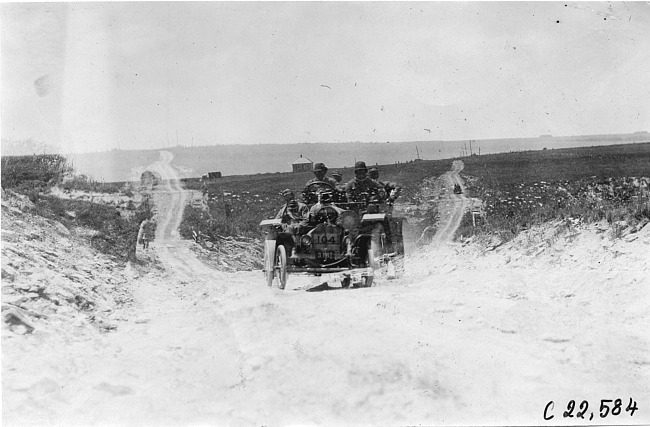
(269, 261)
(281, 262)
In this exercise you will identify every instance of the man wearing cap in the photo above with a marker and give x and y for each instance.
(320, 170)
(392, 189)
(293, 211)
(294, 216)
(361, 188)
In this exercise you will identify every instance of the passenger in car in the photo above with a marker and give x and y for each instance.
(293, 211)
(392, 189)
(361, 188)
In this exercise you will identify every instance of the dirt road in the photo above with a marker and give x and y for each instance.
(451, 206)
(461, 339)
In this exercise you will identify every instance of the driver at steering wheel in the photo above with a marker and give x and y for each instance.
(309, 193)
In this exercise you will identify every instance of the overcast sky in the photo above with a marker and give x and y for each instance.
(96, 76)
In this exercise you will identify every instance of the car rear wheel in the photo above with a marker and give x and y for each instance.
(371, 265)
(269, 261)
(281, 265)
(379, 244)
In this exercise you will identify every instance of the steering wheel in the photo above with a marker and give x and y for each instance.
(313, 188)
(318, 184)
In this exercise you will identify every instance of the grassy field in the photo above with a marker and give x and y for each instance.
(585, 184)
(251, 198)
(518, 189)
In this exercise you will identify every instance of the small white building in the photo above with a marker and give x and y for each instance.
(302, 164)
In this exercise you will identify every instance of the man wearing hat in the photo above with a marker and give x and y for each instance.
(361, 188)
(293, 211)
(294, 215)
(319, 171)
(392, 189)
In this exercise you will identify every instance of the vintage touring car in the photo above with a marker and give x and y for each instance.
(353, 239)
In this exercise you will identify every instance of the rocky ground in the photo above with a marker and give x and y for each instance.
(52, 279)
(477, 332)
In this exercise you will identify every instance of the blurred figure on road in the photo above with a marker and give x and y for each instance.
(145, 233)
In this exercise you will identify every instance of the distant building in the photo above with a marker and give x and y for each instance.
(302, 164)
(210, 176)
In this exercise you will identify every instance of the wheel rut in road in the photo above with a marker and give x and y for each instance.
(451, 207)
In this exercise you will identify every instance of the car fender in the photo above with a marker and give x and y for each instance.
(274, 222)
(370, 218)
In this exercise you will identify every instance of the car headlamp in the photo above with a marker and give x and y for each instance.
(305, 240)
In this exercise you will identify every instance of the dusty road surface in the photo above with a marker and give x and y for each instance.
(465, 337)
(451, 206)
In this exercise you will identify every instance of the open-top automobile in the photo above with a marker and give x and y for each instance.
(350, 238)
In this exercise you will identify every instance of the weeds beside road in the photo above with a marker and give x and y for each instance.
(114, 232)
(519, 190)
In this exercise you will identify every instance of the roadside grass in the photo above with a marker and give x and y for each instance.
(31, 175)
(421, 227)
(88, 185)
(519, 190)
(114, 234)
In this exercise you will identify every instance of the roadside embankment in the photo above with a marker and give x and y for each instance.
(558, 244)
(52, 279)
